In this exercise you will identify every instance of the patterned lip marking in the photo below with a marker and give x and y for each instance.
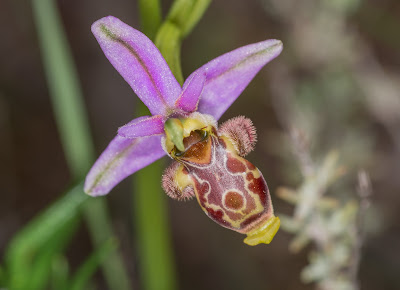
(202, 188)
(234, 165)
(250, 165)
(229, 188)
(226, 189)
(233, 200)
(258, 186)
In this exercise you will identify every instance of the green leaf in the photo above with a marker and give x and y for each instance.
(59, 273)
(3, 277)
(72, 122)
(42, 267)
(63, 83)
(100, 229)
(30, 252)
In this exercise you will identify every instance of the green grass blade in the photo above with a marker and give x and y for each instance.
(42, 267)
(100, 229)
(73, 126)
(59, 273)
(3, 278)
(25, 248)
(64, 88)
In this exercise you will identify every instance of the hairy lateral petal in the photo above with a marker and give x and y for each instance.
(228, 75)
(139, 62)
(143, 126)
(121, 158)
(192, 89)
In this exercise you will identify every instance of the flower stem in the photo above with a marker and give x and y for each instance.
(185, 14)
(151, 215)
(156, 257)
(150, 17)
(73, 127)
(168, 41)
(181, 19)
(151, 212)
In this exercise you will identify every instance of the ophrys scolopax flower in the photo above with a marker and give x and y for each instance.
(209, 162)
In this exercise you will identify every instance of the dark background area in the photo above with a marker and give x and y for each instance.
(33, 171)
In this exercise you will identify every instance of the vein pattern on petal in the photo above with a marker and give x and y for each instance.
(139, 62)
(120, 159)
(229, 74)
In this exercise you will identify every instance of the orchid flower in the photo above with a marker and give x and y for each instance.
(183, 125)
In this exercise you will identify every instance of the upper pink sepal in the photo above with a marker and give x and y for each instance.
(229, 74)
(139, 62)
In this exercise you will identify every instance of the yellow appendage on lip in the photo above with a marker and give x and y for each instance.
(263, 234)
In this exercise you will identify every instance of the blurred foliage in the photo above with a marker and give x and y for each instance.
(34, 259)
(34, 250)
(86, 270)
(330, 224)
(323, 108)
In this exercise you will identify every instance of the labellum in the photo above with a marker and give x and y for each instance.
(210, 165)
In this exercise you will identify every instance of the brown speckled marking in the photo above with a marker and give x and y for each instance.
(234, 200)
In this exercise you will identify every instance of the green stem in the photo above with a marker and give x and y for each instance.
(169, 41)
(157, 266)
(73, 127)
(182, 18)
(185, 14)
(151, 211)
(150, 17)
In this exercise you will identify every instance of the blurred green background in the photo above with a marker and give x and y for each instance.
(337, 81)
